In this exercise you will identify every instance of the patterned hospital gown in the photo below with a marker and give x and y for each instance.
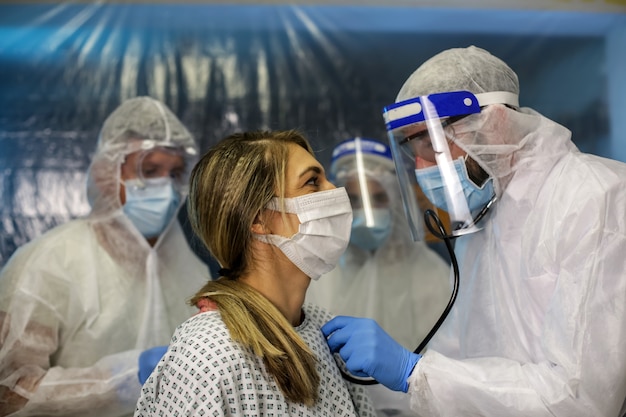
(205, 373)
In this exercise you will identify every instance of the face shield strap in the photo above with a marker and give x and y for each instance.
(498, 97)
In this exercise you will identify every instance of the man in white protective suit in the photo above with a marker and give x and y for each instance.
(539, 324)
(383, 274)
(88, 306)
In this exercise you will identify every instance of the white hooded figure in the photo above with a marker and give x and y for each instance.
(384, 275)
(539, 323)
(539, 326)
(79, 304)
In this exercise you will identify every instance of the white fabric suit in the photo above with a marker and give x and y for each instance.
(538, 328)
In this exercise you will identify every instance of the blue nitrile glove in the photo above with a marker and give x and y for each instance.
(368, 350)
(148, 360)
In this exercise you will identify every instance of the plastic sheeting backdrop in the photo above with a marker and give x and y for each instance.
(325, 70)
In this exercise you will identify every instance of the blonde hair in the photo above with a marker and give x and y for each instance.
(230, 185)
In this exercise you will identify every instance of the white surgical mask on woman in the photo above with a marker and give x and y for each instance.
(150, 204)
(324, 231)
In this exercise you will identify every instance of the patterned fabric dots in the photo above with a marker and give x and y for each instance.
(205, 373)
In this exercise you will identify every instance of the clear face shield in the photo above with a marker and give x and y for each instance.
(153, 163)
(427, 155)
(365, 168)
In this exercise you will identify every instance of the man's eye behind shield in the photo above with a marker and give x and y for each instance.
(416, 140)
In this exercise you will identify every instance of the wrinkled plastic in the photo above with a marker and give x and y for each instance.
(328, 70)
(542, 285)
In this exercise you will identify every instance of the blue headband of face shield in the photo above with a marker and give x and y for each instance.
(356, 146)
(442, 105)
(435, 111)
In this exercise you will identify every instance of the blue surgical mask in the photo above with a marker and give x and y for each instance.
(433, 187)
(150, 204)
(370, 237)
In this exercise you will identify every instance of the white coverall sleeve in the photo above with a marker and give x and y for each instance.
(582, 333)
(34, 312)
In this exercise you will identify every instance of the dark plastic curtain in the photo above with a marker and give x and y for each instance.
(325, 70)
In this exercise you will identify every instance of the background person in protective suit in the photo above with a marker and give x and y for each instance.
(538, 325)
(80, 304)
(383, 274)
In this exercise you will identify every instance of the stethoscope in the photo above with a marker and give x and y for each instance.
(439, 231)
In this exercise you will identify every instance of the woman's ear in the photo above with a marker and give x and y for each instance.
(258, 226)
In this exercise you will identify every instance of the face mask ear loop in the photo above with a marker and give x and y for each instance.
(485, 209)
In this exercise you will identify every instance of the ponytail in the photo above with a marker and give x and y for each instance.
(257, 324)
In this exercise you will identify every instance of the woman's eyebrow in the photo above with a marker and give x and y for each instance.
(313, 168)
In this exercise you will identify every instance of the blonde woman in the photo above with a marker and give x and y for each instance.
(261, 203)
